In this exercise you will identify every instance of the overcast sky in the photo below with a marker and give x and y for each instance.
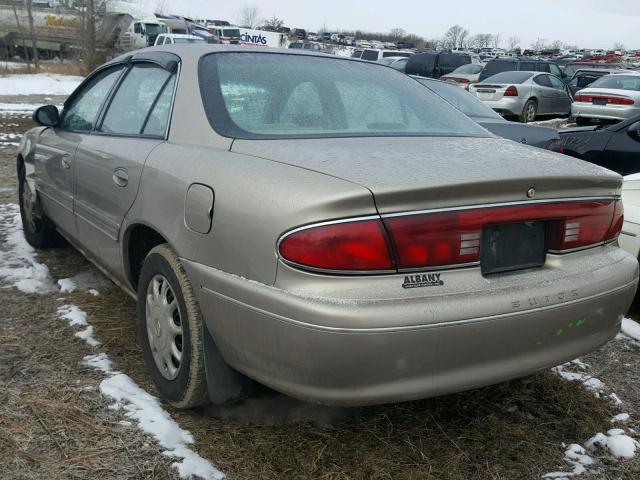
(587, 23)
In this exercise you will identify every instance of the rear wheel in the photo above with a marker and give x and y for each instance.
(38, 229)
(529, 112)
(170, 328)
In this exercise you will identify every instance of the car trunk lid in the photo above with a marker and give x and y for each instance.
(418, 173)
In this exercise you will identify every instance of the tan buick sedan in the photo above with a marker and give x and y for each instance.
(324, 226)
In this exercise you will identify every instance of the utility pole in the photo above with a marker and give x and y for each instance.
(34, 40)
(24, 45)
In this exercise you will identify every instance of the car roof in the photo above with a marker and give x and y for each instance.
(179, 35)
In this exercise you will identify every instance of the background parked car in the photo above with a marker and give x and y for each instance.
(571, 68)
(616, 147)
(175, 38)
(375, 54)
(585, 77)
(524, 94)
(630, 235)
(435, 65)
(313, 46)
(534, 135)
(612, 97)
(398, 63)
(464, 75)
(519, 64)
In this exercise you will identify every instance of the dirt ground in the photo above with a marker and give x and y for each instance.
(55, 424)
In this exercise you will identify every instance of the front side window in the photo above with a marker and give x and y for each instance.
(134, 99)
(246, 96)
(555, 70)
(81, 113)
(557, 83)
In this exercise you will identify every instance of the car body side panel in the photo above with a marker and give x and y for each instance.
(54, 164)
(100, 203)
(524, 133)
(256, 201)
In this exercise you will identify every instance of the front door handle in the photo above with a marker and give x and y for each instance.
(120, 177)
(66, 161)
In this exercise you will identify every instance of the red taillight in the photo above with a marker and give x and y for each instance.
(461, 80)
(349, 246)
(610, 99)
(511, 92)
(447, 238)
(555, 145)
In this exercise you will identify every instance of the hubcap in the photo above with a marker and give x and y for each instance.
(164, 327)
(531, 112)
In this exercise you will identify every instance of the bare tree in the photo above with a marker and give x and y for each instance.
(557, 45)
(274, 24)
(453, 36)
(619, 46)
(34, 40)
(24, 45)
(539, 44)
(513, 43)
(249, 16)
(496, 40)
(398, 33)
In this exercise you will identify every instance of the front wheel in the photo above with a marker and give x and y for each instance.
(37, 228)
(529, 112)
(170, 327)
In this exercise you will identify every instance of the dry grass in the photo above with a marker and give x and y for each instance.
(67, 68)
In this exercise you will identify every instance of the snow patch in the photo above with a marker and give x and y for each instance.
(615, 443)
(78, 318)
(590, 383)
(576, 456)
(88, 281)
(630, 329)
(621, 417)
(39, 84)
(146, 410)
(18, 264)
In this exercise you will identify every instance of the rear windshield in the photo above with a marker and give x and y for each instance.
(509, 77)
(469, 69)
(461, 99)
(497, 66)
(271, 95)
(619, 82)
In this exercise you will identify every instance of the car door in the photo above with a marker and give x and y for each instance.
(622, 153)
(545, 93)
(110, 160)
(54, 159)
(563, 100)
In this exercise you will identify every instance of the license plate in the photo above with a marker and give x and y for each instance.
(512, 247)
(600, 101)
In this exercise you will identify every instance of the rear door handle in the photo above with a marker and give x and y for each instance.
(120, 177)
(66, 161)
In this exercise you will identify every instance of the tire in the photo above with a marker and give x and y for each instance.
(164, 280)
(582, 121)
(38, 230)
(529, 112)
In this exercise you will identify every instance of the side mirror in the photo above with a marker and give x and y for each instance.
(47, 116)
(634, 131)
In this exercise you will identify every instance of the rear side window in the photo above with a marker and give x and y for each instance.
(134, 99)
(371, 55)
(543, 81)
(83, 109)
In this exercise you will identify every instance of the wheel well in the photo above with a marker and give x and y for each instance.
(534, 99)
(141, 239)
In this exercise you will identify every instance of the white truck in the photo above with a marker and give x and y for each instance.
(261, 38)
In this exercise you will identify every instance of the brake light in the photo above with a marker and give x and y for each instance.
(446, 238)
(610, 99)
(349, 246)
(461, 80)
(555, 145)
(511, 92)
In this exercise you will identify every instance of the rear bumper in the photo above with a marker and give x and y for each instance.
(608, 112)
(507, 105)
(295, 344)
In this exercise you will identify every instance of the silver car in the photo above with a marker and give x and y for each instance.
(612, 97)
(322, 225)
(524, 95)
(464, 75)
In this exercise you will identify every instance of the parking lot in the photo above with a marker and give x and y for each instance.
(58, 420)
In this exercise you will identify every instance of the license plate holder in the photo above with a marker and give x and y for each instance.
(600, 101)
(514, 246)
